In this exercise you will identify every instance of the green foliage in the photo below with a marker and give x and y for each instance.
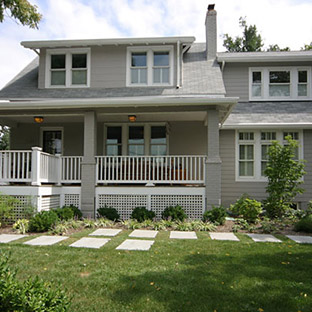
(276, 48)
(215, 215)
(102, 222)
(21, 10)
(250, 40)
(43, 221)
(109, 213)
(65, 213)
(30, 295)
(141, 213)
(21, 226)
(4, 138)
(268, 226)
(89, 223)
(60, 228)
(284, 175)
(174, 213)
(131, 224)
(304, 225)
(77, 212)
(307, 47)
(7, 205)
(195, 225)
(249, 209)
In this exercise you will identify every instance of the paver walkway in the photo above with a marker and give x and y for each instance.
(224, 236)
(135, 244)
(143, 233)
(183, 235)
(264, 238)
(6, 238)
(105, 232)
(45, 240)
(301, 239)
(90, 242)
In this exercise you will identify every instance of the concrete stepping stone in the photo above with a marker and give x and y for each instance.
(6, 238)
(183, 235)
(224, 236)
(301, 239)
(90, 242)
(105, 232)
(135, 244)
(45, 240)
(143, 233)
(264, 238)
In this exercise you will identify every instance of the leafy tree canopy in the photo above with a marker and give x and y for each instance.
(4, 138)
(250, 41)
(276, 48)
(307, 47)
(26, 13)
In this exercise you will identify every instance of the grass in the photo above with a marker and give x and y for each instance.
(175, 275)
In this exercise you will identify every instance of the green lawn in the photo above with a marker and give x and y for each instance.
(175, 275)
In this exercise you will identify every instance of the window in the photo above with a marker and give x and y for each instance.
(68, 68)
(150, 66)
(136, 141)
(277, 83)
(252, 152)
(158, 140)
(113, 141)
(52, 141)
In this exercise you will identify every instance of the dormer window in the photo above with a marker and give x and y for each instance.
(279, 83)
(68, 68)
(150, 66)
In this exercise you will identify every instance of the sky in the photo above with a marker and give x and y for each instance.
(282, 22)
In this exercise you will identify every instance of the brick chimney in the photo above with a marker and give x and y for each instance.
(211, 32)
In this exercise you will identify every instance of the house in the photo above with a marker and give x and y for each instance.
(151, 122)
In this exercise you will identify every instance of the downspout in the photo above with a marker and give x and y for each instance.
(222, 66)
(178, 65)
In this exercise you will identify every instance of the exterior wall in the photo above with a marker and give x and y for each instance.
(232, 190)
(108, 67)
(236, 77)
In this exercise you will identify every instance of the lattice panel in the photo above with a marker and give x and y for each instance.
(192, 204)
(124, 204)
(20, 207)
(50, 202)
(72, 199)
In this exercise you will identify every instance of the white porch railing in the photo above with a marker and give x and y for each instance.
(71, 172)
(49, 168)
(15, 166)
(151, 169)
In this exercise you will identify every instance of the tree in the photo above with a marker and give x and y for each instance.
(276, 48)
(250, 40)
(284, 175)
(4, 138)
(307, 47)
(21, 10)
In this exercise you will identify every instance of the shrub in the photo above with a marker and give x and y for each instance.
(108, 213)
(215, 215)
(77, 212)
(7, 205)
(284, 174)
(304, 225)
(141, 214)
(174, 213)
(43, 221)
(65, 213)
(30, 295)
(21, 226)
(249, 209)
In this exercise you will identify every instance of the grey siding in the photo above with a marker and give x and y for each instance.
(236, 77)
(232, 190)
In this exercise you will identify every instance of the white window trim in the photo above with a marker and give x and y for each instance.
(149, 62)
(68, 67)
(52, 129)
(125, 136)
(293, 83)
(257, 151)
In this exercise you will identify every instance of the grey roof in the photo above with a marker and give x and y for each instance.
(199, 77)
(270, 113)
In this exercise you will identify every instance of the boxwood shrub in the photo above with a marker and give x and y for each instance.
(141, 214)
(215, 215)
(65, 213)
(174, 213)
(43, 221)
(304, 225)
(108, 213)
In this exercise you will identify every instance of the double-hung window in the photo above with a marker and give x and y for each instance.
(150, 66)
(278, 83)
(113, 141)
(252, 151)
(136, 141)
(67, 68)
(158, 142)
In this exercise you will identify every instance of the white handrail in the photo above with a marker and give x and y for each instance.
(71, 169)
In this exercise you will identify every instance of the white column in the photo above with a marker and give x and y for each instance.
(88, 165)
(35, 166)
(213, 162)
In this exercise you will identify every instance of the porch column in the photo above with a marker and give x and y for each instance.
(213, 162)
(88, 165)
